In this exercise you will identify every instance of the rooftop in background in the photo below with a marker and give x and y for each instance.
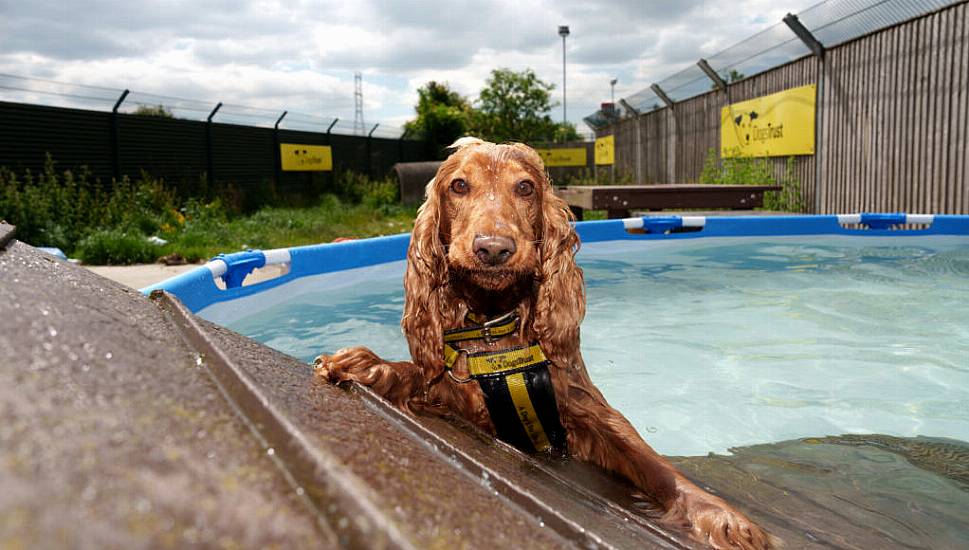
(832, 22)
(63, 94)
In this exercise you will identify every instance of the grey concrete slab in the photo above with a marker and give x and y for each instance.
(111, 436)
(115, 433)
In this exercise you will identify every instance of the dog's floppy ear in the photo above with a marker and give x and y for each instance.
(560, 301)
(425, 285)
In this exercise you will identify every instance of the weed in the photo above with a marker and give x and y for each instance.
(756, 171)
(601, 176)
(116, 247)
(97, 224)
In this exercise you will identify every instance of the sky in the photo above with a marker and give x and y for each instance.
(302, 56)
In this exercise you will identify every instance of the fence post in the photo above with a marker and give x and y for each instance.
(400, 145)
(670, 133)
(639, 141)
(277, 156)
(370, 152)
(818, 50)
(210, 168)
(115, 143)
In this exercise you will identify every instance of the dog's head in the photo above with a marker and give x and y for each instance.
(492, 219)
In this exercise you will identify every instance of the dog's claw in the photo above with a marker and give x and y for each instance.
(714, 522)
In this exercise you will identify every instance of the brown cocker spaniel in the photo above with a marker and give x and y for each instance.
(493, 302)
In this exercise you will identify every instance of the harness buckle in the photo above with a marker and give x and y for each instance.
(487, 325)
(450, 371)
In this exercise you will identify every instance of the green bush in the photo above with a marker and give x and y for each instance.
(116, 247)
(756, 171)
(110, 224)
(601, 176)
(62, 208)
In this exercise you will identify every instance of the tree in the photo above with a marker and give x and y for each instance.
(515, 106)
(565, 131)
(153, 110)
(733, 76)
(443, 116)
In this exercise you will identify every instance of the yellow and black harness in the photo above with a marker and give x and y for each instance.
(516, 383)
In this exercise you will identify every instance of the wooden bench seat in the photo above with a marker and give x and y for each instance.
(619, 200)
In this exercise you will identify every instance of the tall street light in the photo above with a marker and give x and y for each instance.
(612, 90)
(563, 32)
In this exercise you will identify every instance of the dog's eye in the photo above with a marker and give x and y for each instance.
(459, 187)
(525, 188)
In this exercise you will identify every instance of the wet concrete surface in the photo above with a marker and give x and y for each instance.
(115, 433)
(851, 491)
(111, 436)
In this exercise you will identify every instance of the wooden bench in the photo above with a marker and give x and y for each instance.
(618, 200)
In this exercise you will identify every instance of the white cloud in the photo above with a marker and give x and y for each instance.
(301, 56)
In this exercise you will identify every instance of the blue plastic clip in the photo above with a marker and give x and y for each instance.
(239, 265)
(883, 221)
(662, 224)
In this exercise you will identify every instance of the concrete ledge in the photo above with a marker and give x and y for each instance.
(118, 430)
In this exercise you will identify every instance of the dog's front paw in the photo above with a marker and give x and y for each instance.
(712, 521)
(358, 364)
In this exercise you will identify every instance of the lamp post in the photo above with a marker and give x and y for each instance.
(612, 90)
(563, 32)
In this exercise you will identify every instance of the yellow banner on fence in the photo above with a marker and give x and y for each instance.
(606, 150)
(573, 156)
(776, 125)
(297, 157)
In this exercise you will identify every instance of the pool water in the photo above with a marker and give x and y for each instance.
(710, 344)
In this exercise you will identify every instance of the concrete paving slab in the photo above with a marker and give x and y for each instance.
(116, 433)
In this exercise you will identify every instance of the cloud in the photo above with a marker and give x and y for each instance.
(301, 55)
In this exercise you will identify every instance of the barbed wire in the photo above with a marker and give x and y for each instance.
(832, 22)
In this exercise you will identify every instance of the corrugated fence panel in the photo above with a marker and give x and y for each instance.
(73, 137)
(178, 150)
(165, 147)
(243, 155)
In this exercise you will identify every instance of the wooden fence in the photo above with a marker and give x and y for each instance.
(892, 122)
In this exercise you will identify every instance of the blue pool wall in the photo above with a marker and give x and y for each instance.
(197, 288)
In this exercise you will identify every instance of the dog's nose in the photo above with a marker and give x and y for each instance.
(494, 250)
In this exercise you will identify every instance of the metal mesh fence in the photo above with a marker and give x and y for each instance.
(62, 94)
(832, 22)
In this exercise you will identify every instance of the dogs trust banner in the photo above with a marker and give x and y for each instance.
(297, 157)
(569, 156)
(776, 125)
(606, 150)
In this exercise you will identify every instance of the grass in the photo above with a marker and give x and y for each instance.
(206, 235)
(112, 224)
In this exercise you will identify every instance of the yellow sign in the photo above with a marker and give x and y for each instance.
(297, 157)
(776, 125)
(606, 150)
(563, 157)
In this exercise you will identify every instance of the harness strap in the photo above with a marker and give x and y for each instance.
(488, 330)
(516, 383)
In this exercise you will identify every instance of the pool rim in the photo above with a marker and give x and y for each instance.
(197, 288)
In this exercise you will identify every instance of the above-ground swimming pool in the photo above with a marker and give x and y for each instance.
(808, 367)
(708, 333)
